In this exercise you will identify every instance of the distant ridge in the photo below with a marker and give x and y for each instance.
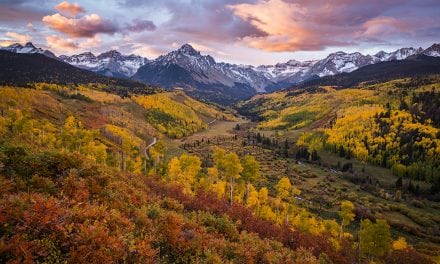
(21, 69)
(412, 66)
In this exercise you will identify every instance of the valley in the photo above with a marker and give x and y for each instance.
(219, 132)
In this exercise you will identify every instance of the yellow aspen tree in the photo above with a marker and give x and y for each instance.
(346, 214)
(232, 171)
(252, 200)
(251, 171)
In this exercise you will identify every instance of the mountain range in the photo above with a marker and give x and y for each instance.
(202, 76)
(111, 63)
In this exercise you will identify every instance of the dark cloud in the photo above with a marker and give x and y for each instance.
(13, 13)
(139, 25)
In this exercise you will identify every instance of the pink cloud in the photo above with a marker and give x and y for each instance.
(69, 9)
(87, 26)
(382, 26)
(59, 43)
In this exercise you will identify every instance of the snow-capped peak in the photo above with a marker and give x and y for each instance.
(433, 51)
(187, 49)
(110, 54)
(110, 63)
(29, 45)
(28, 48)
(399, 54)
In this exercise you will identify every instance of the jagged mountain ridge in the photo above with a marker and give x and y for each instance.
(28, 48)
(111, 63)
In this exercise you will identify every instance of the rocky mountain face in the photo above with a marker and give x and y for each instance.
(222, 82)
(198, 74)
(433, 51)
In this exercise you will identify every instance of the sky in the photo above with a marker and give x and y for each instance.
(238, 31)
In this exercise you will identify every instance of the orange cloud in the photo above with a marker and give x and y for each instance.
(14, 37)
(287, 26)
(146, 51)
(87, 26)
(70, 9)
(293, 25)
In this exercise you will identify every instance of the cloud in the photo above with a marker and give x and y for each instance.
(14, 37)
(290, 29)
(207, 21)
(146, 50)
(68, 45)
(88, 26)
(201, 47)
(31, 27)
(10, 14)
(59, 43)
(18, 37)
(91, 43)
(138, 25)
(70, 9)
(304, 25)
(383, 26)
(85, 27)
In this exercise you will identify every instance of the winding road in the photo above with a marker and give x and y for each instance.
(212, 122)
(154, 142)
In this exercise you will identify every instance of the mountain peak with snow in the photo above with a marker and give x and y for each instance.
(29, 45)
(187, 49)
(28, 48)
(110, 54)
(111, 63)
(433, 51)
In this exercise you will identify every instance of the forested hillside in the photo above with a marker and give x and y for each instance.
(79, 184)
(376, 145)
(393, 124)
